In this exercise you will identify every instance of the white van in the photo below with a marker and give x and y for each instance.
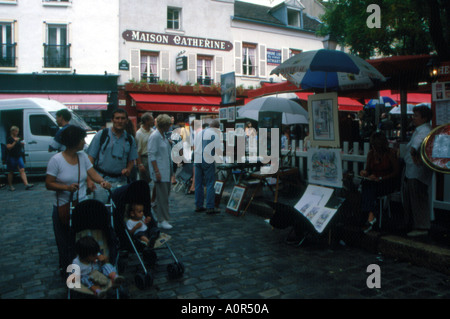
(36, 119)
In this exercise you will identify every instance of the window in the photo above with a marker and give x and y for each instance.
(248, 59)
(57, 49)
(149, 67)
(7, 45)
(173, 18)
(204, 70)
(293, 52)
(41, 125)
(294, 19)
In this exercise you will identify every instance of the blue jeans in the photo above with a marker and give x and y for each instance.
(205, 174)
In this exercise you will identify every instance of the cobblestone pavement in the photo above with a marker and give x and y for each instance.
(225, 257)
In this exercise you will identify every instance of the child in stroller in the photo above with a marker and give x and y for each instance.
(96, 273)
(137, 225)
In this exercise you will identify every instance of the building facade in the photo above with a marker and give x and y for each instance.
(147, 55)
(61, 49)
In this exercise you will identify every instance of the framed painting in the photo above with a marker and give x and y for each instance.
(223, 113)
(231, 114)
(323, 120)
(235, 202)
(218, 190)
(325, 167)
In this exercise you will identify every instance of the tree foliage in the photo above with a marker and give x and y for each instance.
(407, 27)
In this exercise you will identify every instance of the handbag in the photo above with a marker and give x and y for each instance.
(64, 210)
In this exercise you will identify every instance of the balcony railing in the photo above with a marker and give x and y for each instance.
(205, 80)
(150, 78)
(8, 55)
(56, 56)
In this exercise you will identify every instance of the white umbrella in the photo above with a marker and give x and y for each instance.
(293, 113)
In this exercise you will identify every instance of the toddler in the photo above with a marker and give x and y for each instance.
(92, 264)
(137, 223)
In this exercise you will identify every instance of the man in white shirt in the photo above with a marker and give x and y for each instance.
(418, 175)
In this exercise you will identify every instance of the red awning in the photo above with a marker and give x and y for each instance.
(72, 101)
(176, 103)
(412, 98)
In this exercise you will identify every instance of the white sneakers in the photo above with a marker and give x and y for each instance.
(165, 225)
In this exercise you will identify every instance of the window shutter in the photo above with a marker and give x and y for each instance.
(165, 65)
(192, 68)
(262, 60)
(135, 58)
(219, 68)
(285, 55)
(238, 57)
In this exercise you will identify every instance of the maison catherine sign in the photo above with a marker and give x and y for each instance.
(178, 40)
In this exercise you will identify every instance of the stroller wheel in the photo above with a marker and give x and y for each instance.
(175, 270)
(143, 281)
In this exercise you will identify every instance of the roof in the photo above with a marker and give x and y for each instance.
(31, 103)
(262, 14)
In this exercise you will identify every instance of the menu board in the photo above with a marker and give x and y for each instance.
(435, 150)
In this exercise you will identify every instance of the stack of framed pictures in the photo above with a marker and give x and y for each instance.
(218, 190)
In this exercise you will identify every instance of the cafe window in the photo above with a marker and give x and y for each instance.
(248, 59)
(7, 45)
(204, 70)
(173, 18)
(57, 47)
(149, 66)
(293, 52)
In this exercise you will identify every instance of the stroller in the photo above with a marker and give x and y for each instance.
(139, 192)
(93, 218)
(184, 178)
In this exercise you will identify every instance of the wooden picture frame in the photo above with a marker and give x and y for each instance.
(218, 191)
(323, 120)
(235, 201)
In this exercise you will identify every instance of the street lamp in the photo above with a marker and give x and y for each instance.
(329, 42)
(433, 68)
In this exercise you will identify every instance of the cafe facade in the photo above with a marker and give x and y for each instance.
(174, 54)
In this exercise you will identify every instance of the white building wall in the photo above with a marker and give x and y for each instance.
(210, 19)
(92, 28)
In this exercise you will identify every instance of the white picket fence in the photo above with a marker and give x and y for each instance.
(354, 159)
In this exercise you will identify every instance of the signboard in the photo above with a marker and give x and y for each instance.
(273, 57)
(177, 40)
(181, 63)
(124, 65)
(228, 88)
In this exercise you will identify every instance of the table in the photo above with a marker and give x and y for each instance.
(280, 174)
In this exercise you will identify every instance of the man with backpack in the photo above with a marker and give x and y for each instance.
(112, 152)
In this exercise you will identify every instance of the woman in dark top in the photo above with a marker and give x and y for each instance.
(380, 175)
(15, 159)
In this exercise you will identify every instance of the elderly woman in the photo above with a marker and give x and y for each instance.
(67, 173)
(161, 168)
(15, 159)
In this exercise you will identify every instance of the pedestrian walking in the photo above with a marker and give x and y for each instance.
(63, 118)
(206, 145)
(14, 160)
(112, 152)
